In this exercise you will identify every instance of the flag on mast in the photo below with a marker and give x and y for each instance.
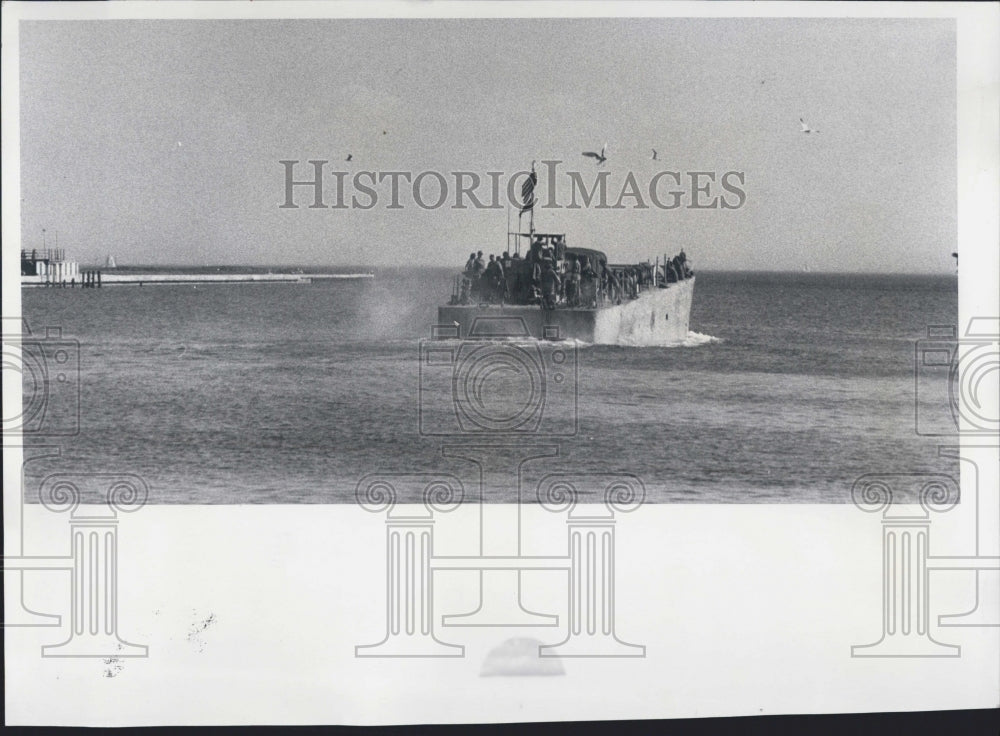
(528, 190)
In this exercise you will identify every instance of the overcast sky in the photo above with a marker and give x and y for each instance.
(160, 141)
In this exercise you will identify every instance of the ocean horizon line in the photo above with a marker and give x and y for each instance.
(367, 268)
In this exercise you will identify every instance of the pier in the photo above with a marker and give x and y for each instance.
(48, 267)
(97, 278)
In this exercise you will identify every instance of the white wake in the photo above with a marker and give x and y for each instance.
(693, 340)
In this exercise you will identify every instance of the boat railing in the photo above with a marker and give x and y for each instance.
(626, 280)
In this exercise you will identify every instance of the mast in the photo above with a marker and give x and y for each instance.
(531, 212)
(527, 204)
(516, 244)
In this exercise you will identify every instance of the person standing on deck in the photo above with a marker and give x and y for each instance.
(489, 281)
(515, 277)
(535, 254)
(500, 282)
(478, 267)
(536, 283)
(550, 286)
(468, 279)
(570, 282)
(611, 288)
(588, 288)
(507, 264)
(603, 281)
(577, 280)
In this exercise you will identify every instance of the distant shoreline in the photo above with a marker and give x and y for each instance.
(119, 277)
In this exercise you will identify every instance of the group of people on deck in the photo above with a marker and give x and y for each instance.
(488, 281)
(551, 277)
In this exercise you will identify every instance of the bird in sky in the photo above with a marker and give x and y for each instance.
(655, 156)
(599, 157)
(806, 128)
(349, 157)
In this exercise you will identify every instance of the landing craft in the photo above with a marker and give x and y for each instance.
(561, 292)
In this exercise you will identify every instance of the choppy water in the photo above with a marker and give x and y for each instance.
(789, 387)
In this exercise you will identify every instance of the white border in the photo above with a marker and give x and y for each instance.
(266, 675)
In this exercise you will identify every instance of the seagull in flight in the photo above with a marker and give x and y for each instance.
(654, 155)
(349, 157)
(806, 128)
(600, 157)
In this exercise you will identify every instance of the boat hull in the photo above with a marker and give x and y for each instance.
(659, 316)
